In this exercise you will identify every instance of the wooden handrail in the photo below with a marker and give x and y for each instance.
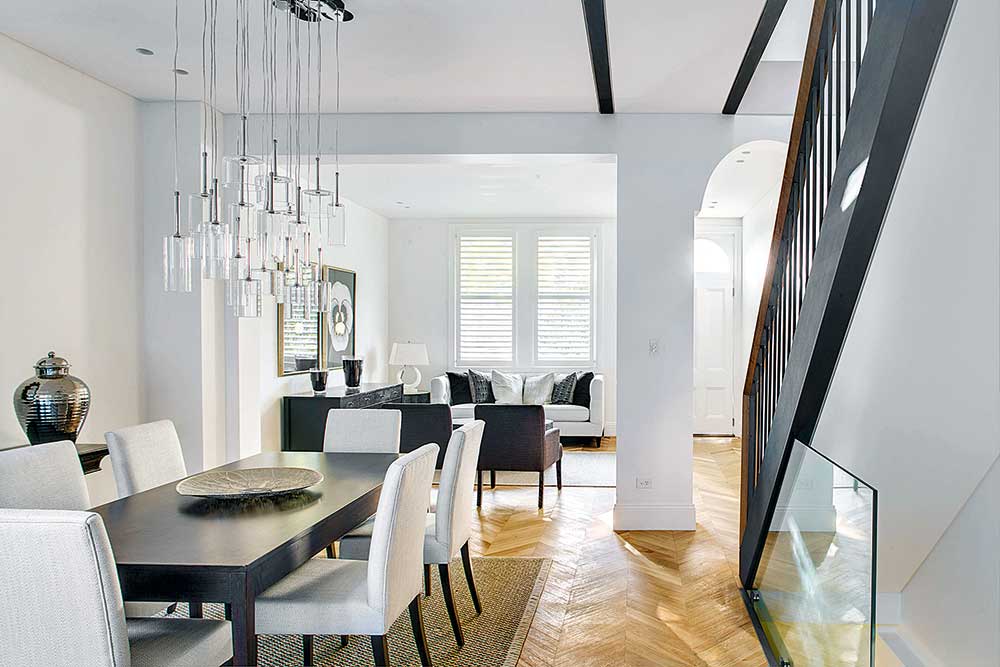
(787, 183)
(794, 143)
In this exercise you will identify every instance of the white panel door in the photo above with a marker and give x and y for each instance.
(714, 411)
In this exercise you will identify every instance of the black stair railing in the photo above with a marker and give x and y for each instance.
(865, 72)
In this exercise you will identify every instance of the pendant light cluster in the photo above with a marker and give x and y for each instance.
(263, 228)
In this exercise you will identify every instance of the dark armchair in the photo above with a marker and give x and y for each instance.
(423, 423)
(515, 439)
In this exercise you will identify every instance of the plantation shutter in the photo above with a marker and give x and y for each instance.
(486, 299)
(565, 319)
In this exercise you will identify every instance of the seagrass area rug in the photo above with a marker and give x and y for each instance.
(509, 589)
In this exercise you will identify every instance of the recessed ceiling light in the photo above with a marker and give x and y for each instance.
(740, 161)
(489, 194)
(715, 202)
(144, 51)
(745, 152)
(182, 72)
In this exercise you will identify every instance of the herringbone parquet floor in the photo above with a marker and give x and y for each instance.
(641, 599)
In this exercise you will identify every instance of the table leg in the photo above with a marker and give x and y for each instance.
(244, 634)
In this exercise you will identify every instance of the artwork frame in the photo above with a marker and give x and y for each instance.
(288, 367)
(334, 348)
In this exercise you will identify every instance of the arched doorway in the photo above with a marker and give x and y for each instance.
(732, 239)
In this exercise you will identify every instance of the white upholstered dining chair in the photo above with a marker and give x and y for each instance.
(43, 477)
(66, 608)
(448, 526)
(371, 431)
(144, 457)
(350, 597)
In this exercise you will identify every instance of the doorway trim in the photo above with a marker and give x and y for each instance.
(732, 227)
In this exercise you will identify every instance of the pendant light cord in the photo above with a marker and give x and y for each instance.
(177, 215)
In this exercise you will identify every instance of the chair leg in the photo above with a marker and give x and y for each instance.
(307, 650)
(467, 565)
(172, 608)
(427, 579)
(479, 488)
(380, 649)
(343, 641)
(195, 610)
(493, 479)
(329, 551)
(449, 603)
(417, 621)
(559, 474)
(541, 488)
(227, 611)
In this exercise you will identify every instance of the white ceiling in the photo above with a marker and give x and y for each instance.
(483, 186)
(407, 56)
(742, 178)
(677, 56)
(788, 41)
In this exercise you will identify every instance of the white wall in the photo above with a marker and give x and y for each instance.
(664, 163)
(419, 293)
(758, 228)
(913, 408)
(72, 261)
(367, 253)
(951, 604)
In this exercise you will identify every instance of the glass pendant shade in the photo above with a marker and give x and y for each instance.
(216, 244)
(199, 214)
(277, 280)
(336, 225)
(248, 298)
(178, 256)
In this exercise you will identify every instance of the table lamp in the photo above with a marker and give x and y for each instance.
(409, 355)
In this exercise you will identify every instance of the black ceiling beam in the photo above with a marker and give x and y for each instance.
(597, 37)
(758, 42)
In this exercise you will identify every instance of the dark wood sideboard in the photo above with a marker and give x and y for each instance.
(303, 416)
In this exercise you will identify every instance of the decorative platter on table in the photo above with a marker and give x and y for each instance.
(248, 483)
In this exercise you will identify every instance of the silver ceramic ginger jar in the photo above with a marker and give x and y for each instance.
(52, 405)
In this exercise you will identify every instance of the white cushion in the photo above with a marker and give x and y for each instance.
(321, 594)
(43, 477)
(463, 411)
(362, 431)
(538, 389)
(508, 388)
(355, 545)
(566, 413)
(145, 456)
(179, 642)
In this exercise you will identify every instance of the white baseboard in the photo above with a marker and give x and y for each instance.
(888, 608)
(610, 428)
(907, 649)
(654, 517)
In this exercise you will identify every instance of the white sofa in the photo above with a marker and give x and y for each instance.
(571, 420)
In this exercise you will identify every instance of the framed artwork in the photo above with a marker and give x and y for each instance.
(299, 344)
(338, 329)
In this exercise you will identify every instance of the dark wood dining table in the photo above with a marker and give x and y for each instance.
(170, 547)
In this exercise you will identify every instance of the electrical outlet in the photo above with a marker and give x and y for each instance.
(643, 483)
(654, 346)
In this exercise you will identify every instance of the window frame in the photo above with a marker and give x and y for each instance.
(525, 236)
(593, 231)
(454, 299)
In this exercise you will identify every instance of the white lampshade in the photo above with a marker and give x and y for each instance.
(409, 354)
